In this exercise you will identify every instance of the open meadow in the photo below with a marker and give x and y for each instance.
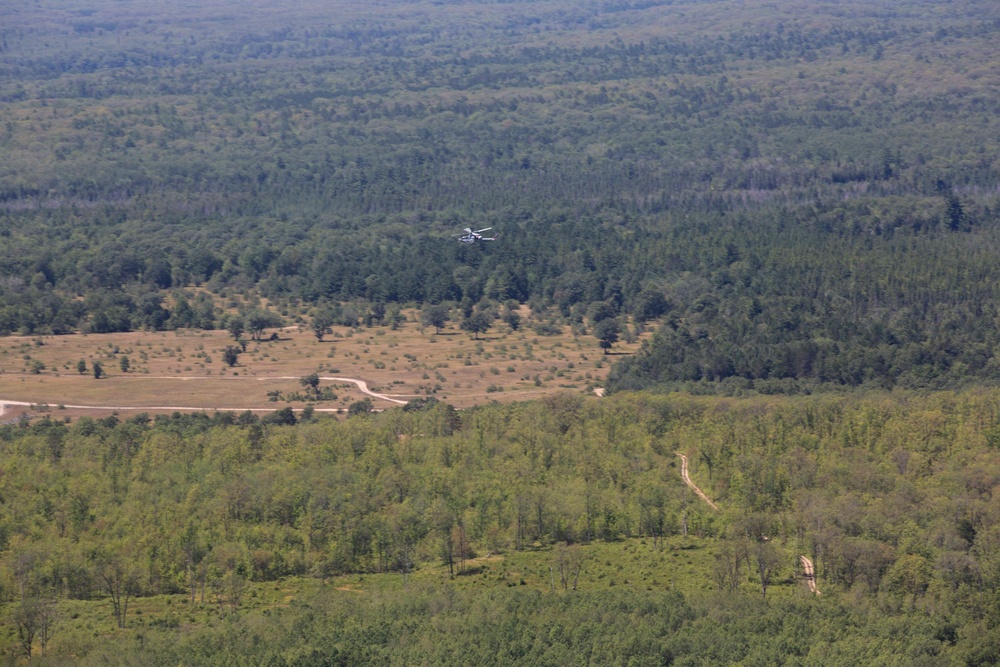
(184, 370)
(682, 564)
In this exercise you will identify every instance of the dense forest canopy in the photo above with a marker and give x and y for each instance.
(890, 495)
(807, 192)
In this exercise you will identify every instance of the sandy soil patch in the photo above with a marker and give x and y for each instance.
(184, 370)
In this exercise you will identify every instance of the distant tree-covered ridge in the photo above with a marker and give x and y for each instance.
(803, 193)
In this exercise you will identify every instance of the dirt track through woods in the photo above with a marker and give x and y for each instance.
(809, 572)
(687, 480)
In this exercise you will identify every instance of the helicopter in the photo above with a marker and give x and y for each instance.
(471, 237)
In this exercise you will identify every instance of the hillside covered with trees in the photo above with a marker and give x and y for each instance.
(602, 549)
(804, 194)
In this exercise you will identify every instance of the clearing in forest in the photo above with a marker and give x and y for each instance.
(185, 370)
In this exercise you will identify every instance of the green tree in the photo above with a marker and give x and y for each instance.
(321, 323)
(601, 311)
(236, 326)
(231, 355)
(81, 367)
(35, 618)
(311, 383)
(435, 316)
(729, 559)
(182, 315)
(98, 370)
(124, 364)
(478, 322)
(567, 561)
(606, 331)
(376, 315)
(766, 561)
(283, 416)
(649, 305)
(26, 619)
(910, 574)
(395, 317)
(259, 320)
(362, 407)
(151, 311)
(120, 577)
(954, 212)
(513, 319)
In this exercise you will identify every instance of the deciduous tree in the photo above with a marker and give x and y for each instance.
(259, 320)
(478, 322)
(231, 355)
(606, 331)
(435, 316)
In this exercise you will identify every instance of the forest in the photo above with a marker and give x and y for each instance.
(799, 198)
(537, 532)
(793, 205)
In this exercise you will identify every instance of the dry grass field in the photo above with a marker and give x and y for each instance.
(184, 370)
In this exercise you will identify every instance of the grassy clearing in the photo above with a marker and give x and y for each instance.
(185, 369)
(682, 564)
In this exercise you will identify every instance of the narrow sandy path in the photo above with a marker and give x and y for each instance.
(807, 564)
(360, 384)
(363, 387)
(810, 573)
(687, 480)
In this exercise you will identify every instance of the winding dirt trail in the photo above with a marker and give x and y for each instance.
(808, 569)
(810, 573)
(360, 384)
(687, 480)
(363, 388)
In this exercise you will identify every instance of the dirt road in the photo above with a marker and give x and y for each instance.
(807, 564)
(687, 480)
(360, 384)
(810, 573)
(363, 388)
